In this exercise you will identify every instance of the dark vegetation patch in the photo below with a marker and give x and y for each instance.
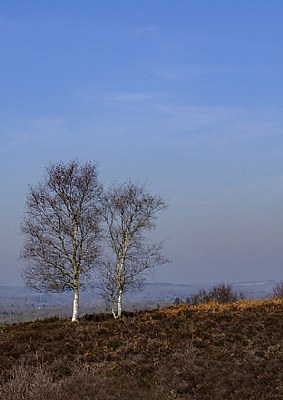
(209, 351)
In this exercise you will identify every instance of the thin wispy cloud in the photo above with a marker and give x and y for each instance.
(184, 120)
(158, 103)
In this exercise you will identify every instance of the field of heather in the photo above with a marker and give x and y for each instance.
(212, 351)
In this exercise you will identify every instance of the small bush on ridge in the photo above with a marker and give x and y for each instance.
(221, 294)
(278, 290)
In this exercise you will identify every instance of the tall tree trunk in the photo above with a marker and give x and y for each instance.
(119, 303)
(76, 303)
(113, 308)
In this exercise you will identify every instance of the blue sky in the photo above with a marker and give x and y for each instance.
(184, 95)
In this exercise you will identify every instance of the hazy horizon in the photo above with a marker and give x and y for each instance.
(185, 96)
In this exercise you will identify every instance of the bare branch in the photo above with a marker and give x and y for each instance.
(129, 211)
(62, 227)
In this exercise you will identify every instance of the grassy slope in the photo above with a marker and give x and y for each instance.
(207, 352)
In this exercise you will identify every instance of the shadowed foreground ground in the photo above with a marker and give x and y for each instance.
(206, 352)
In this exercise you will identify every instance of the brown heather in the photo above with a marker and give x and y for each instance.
(210, 351)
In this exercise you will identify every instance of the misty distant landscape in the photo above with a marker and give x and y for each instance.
(18, 304)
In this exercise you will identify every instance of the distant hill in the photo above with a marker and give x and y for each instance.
(21, 304)
(152, 291)
(169, 291)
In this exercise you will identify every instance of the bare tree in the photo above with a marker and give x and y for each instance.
(61, 229)
(221, 294)
(278, 290)
(129, 211)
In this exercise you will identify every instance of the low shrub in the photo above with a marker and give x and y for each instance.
(220, 294)
(278, 290)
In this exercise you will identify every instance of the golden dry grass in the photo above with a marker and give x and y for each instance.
(210, 351)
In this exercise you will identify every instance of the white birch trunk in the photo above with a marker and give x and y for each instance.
(75, 305)
(119, 303)
(113, 309)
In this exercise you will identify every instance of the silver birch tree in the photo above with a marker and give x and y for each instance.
(129, 211)
(61, 229)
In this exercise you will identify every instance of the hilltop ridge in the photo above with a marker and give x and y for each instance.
(211, 351)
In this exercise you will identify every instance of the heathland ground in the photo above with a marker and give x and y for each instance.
(210, 351)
